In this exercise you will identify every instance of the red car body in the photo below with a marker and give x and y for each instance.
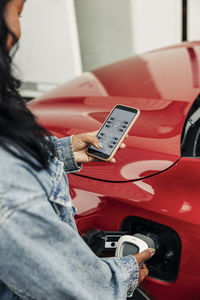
(152, 180)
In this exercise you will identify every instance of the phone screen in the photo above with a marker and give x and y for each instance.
(113, 130)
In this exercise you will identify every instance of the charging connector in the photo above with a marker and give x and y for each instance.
(133, 244)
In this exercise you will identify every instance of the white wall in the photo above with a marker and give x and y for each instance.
(105, 31)
(108, 30)
(193, 20)
(156, 23)
(49, 48)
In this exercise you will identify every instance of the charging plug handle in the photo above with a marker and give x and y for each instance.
(146, 239)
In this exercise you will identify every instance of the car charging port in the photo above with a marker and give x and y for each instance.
(164, 265)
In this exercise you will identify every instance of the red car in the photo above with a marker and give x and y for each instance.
(154, 188)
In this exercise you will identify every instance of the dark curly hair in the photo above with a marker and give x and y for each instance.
(20, 134)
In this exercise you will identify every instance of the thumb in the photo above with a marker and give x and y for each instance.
(93, 140)
(81, 140)
(145, 255)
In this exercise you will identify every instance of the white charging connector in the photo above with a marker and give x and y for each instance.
(133, 244)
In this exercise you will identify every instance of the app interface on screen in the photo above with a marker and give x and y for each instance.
(114, 128)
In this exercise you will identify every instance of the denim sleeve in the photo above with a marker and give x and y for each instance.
(65, 153)
(133, 268)
(45, 258)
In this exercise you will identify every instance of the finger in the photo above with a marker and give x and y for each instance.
(91, 159)
(143, 266)
(122, 146)
(145, 255)
(91, 139)
(145, 270)
(142, 276)
(113, 160)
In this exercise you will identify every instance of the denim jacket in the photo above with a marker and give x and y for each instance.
(42, 255)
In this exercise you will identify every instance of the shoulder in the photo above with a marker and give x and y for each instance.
(19, 184)
(13, 169)
(10, 166)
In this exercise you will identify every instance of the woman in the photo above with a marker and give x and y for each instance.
(42, 255)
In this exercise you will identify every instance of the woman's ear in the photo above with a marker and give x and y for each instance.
(13, 11)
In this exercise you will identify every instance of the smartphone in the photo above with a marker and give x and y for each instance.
(113, 131)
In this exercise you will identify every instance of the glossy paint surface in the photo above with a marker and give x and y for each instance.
(154, 140)
(150, 179)
(150, 83)
(170, 198)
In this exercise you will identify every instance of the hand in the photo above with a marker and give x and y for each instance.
(80, 143)
(141, 257)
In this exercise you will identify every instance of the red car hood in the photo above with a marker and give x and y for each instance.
(162, 84)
